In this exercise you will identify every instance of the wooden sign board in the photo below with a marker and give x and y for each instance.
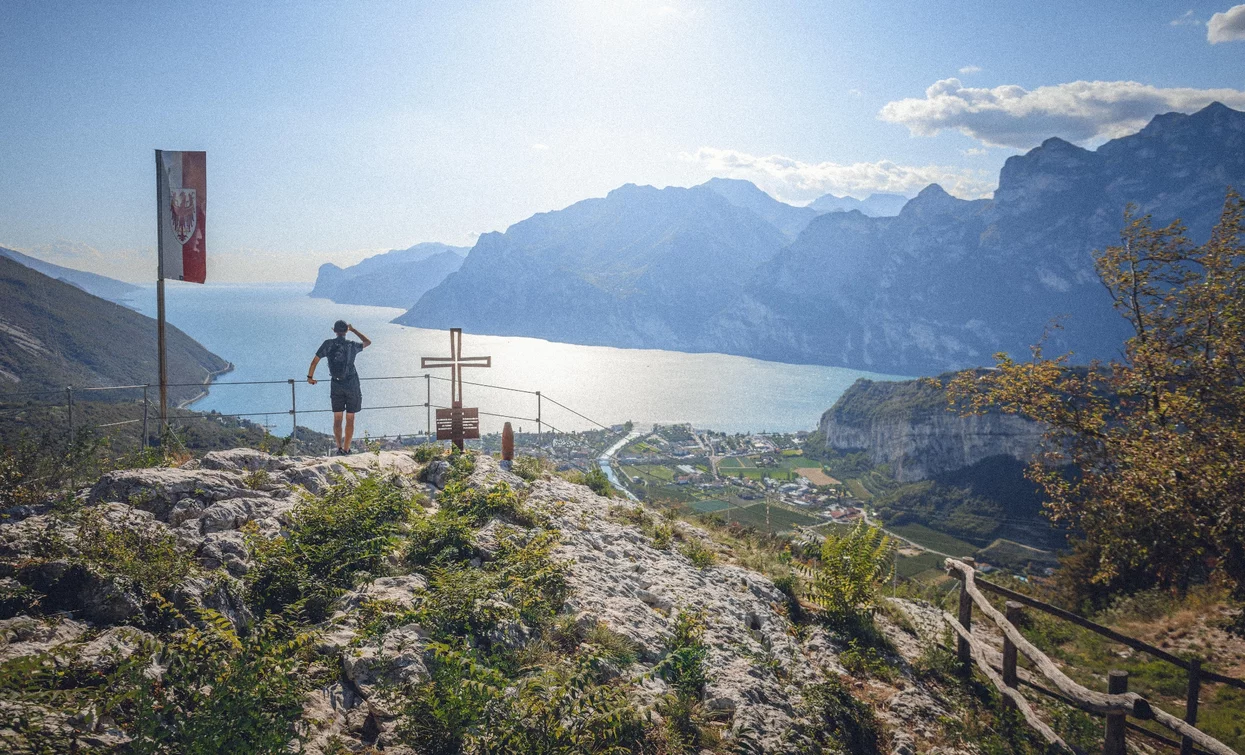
(458, 424)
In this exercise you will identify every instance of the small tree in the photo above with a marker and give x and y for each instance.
(1154, 442)
(852, 566)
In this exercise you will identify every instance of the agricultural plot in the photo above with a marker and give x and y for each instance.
(858, 490)
(711, 505)
(933, 539)
(780, 519)
(653, 473)
(816, 475)
(908, 567)
(736, 462)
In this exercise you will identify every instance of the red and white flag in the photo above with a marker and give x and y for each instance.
(181, 196)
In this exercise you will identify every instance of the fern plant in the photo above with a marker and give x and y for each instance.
(845, 585)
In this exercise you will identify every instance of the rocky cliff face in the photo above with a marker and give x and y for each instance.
(944, 284)
(908, 426)
(393, 279)
(373, 646)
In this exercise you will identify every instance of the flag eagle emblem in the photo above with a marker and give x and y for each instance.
(183, 204)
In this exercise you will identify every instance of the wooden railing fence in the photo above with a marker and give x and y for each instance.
(1117, 704)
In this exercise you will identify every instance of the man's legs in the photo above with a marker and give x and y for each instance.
(337, 428)
(345, 444)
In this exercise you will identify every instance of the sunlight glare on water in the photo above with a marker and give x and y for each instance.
(271, 331)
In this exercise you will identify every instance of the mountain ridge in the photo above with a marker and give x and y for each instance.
(97, 285)
(396, 278)
(943, 285)
(53, 334)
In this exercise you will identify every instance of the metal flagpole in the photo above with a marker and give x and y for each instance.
(164, 375)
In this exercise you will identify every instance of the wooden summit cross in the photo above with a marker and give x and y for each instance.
(456, 424)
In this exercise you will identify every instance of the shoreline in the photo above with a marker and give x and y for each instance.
(207, 385)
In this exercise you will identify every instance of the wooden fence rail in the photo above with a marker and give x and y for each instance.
(1117, 704)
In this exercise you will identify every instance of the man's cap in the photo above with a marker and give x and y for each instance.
(340, 326)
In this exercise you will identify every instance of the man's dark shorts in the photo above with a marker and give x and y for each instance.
(346, 395)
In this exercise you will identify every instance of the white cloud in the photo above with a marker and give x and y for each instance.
(795, 181)
(1186, 19)
(1079, 111)
(1228, 26)
(974, 152)
(540, 147)
(970, 69)
(855, 92)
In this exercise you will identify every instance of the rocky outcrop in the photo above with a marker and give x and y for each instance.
(908, 426)
(757, 664)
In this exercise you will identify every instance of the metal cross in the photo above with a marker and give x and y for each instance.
(455, 361)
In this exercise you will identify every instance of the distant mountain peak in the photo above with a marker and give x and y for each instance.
(931, 192)
(1055, 144)
(788, 219)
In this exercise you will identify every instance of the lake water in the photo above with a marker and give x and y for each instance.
(271, 331)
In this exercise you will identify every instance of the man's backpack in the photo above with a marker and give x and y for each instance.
(339, 359)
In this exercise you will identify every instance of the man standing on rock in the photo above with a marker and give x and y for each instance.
(345, 393)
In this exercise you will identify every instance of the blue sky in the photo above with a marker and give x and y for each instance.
(336, 130)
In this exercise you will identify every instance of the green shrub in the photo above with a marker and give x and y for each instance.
(566, 708)
(595, 479)
(616, 648)
(663, 535)
(521, 583)
(331, 541)
(686, 653)
(426, 452)
(852, 565)
(256, 480)
(479, 506)
(529, 467)
(562, 709)
(438, 713)
(220, 692)
(150, 558)
(701, 555)
(862, 659)
(38, 469)
(441, 539)
(833, 720)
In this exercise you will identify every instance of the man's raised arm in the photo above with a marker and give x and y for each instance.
(311, 371)
(366, 341)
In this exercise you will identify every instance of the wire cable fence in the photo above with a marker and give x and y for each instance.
(17, 405)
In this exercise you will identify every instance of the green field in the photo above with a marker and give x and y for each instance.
(935, 540)
(710, 506)
(858, 490)
(908, 567)
(651, 472)
(736, 462)
(780, 519)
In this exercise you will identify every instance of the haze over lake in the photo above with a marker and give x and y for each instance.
(271, 331)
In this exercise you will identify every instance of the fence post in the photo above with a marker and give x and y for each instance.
(69, 408)
(1191, 696)
(145, 417)
(540, 433)
(427, 407)
(293, 410)
(964, 651)
(1117, 683)
(1010, 678)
